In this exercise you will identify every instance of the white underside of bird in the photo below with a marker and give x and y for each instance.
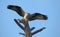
(26, 16)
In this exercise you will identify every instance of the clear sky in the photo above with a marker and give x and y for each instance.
(51, 8)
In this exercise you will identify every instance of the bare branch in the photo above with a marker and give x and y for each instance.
(22, 34)
(38, 30)
(19, 24)
(19, 20)
(32, 28)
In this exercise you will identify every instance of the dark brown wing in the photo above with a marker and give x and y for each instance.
(36, 16)
(17, 9)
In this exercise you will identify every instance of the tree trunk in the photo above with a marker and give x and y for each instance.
(27, 28)
(27, 31)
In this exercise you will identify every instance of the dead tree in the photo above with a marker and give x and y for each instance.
(27, 29)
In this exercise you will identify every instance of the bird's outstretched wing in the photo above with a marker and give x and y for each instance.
(17, 9)
(36, 16)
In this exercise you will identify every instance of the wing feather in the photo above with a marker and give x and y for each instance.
(36, 16)
(18, 9)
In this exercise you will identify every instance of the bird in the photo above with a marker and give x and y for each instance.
(27, 16)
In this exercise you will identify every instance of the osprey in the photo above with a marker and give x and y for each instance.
(27, 16)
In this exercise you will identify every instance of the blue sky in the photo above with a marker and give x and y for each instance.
(51, 8)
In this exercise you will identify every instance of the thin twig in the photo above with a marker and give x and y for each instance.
(22, 34)
(38, 30)
(32, 28)
(19, 20)
(19, 24)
